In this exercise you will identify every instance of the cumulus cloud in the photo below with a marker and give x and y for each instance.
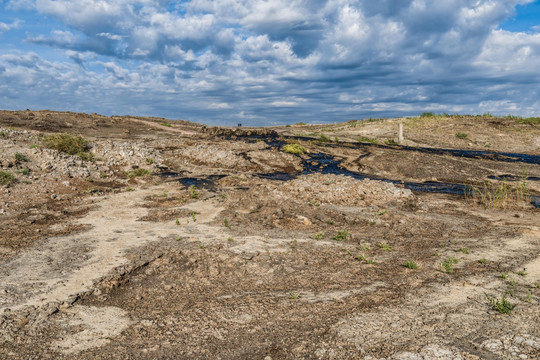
(269, 59)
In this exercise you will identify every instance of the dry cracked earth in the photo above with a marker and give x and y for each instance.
(178, 241)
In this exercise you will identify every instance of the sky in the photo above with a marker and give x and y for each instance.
(271, 62)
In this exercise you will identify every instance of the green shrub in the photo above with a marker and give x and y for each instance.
(137, 173)
(324, 138)
(428, 115)
(411, 265)
(294, 149)
(6, 178)
(166, 124)
(341, 235)
(20, 157)
(460, 135)
(502, 306)
(529, 121)
(367, 140)
(66, 143)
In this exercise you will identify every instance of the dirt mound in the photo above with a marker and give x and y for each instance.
(341, 190)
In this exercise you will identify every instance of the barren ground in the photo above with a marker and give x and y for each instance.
(229, 248)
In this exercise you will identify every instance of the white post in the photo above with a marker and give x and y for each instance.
(400, 133)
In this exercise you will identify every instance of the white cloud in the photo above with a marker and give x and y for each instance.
(6, 27)
(219, 106)
(332, 58)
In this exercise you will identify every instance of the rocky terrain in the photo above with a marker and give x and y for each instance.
(168, 239)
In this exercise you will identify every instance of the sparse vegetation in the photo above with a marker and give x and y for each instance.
(226, 223)
(149, 161)
(295, 149)
(165, 124)
(324, 138)
(502, 306)
(522, 273)
(6, 178)
(385, 247)
(341, 235)
(137, 173)
(463, 250)
(428, 115)
(411, 265)
(368, 140)
(448, 264)
(23, 171)
(293, 295)
(391, 142)
(319, 236)
(21, 157)
(492, 195)
(482, 261)
(461, 135)
(193, 193)
(69, 144)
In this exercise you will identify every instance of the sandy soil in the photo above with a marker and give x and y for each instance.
(210, 254)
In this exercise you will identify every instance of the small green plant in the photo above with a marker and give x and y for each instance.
(6, 178)
(428, 115)
(411, 265)
(448, 264)
(341, 235)
(137, 173)
(21, 157)
(130, 189)
(294, 149)
(179, 238)
(226, 223)
(461, 135)
(202, 246)
(319, 236)
(165, 124)
(371, 262)
(522, 273)
(193, 216)
(33, 146)
(314, 203)
(502, 306)
(482, 261)
(89, 179)
(527, 298)
(193, 193)
(463, 250)
(385, 247)
(103, 174)
(293, 295)
(23, 171)
(503, 275)
(149, 161)
(368, 140)
(300, 123)
(390, 142)
(230, 239)
(330, 222)
(177, 221)
(360, 257)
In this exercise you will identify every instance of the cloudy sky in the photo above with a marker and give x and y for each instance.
(266, 62)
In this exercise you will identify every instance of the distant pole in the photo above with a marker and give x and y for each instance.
(400, 133)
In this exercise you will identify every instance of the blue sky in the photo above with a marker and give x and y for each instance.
(271, 62)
